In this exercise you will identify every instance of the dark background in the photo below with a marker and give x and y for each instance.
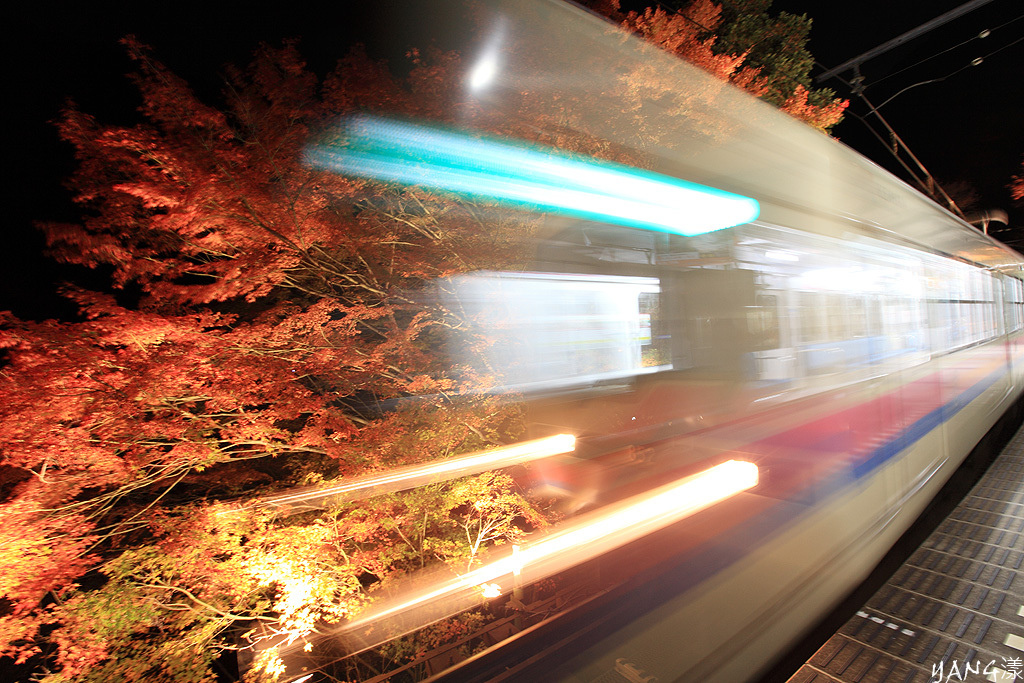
(967, 128)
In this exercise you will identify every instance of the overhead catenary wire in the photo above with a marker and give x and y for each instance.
(977, 61)
(930, 185)
(981, 35)
(854, 63)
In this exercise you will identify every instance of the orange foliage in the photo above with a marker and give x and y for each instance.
(685, 34)
(1017, 185)
(689, 34)
(278, 319)
(821, 117)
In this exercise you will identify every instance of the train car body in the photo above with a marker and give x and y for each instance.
(853, 340)
(857, 373)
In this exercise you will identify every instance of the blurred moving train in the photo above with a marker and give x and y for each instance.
(848, 336)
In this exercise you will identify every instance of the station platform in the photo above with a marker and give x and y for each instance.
(954, 611)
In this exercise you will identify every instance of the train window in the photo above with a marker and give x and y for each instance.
(874, 315)
(813, 327)
(964, 333)
(836, 313)
(654, 332)
(763, 323)
(1018, 288)
(550, 330)
(936, 326)
(995, 319)
(1013, 298)
(858, 317)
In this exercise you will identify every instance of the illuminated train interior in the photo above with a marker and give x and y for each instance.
(747, 357)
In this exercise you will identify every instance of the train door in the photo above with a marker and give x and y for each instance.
(718, 322)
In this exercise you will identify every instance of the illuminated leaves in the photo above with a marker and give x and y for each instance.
(764, 56)
(1017, 185)
(311, 578)
(197, 205)
(450, 522)
(822, 117)
(685, 35)
(276, 332)
(493, 513)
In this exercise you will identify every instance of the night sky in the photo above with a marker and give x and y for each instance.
(966, 128)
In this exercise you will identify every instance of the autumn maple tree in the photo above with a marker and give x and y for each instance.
(1017, 185)
(740, 43)
(269, 329)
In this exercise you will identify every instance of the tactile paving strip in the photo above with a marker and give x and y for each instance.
(955, 610)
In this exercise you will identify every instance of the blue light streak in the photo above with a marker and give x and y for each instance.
(533, 178)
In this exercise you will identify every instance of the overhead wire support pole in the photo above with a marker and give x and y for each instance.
(900, 39)
(931, 187)
(857, 85)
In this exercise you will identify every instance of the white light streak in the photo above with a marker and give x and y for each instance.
(781, 255)
(417, 475)
(576, 543)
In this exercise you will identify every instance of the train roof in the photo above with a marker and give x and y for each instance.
(678, 120)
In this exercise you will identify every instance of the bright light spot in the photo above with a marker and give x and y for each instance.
(484, 72)
(490, 590)
(530, 177)
(488, 64)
